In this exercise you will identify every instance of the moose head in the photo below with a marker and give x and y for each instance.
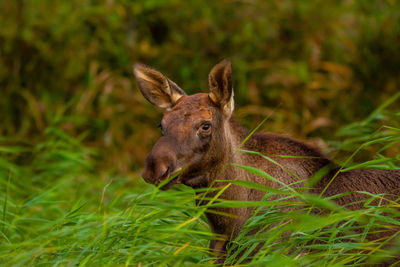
(195, 134)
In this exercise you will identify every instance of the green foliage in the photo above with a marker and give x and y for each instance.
(57, 209)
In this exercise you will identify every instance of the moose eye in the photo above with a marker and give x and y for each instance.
(206, 127)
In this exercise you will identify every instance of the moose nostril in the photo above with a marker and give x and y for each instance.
(158, 178)
(165, 174)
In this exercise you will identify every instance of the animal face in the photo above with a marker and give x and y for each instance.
(193, 127)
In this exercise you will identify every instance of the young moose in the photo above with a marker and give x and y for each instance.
(200, 138)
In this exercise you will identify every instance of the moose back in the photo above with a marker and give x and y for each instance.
(200, 139)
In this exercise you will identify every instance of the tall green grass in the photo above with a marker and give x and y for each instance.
(57, 209)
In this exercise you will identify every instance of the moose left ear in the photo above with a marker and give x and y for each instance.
(220, 83)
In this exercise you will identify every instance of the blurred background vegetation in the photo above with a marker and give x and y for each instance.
(75, 130)
(312, 66)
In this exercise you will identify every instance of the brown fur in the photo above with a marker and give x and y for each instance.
(204, 156)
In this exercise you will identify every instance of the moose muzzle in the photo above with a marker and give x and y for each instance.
(161, 162)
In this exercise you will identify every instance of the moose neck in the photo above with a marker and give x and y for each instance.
(232, 137)
(237, 131)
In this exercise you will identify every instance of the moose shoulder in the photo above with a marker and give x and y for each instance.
(200, 139)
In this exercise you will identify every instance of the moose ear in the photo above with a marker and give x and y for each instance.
(220, 83)
(155, 87)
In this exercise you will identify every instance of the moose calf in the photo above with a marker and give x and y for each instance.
(200, 139)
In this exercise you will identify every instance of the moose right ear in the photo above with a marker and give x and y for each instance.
(220, 83)
(155, 87)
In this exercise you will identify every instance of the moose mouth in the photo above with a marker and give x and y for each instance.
(193, 179)
(169, 184)
(170, 180)
(182, 176)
